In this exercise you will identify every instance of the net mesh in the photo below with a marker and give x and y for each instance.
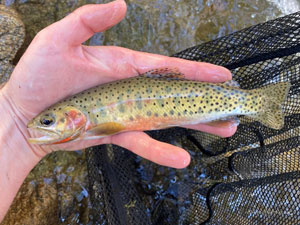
(250, 178)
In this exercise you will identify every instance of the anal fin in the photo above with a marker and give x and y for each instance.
(224, 122)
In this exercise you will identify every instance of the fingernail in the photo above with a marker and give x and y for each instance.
(185, 162)
(115, 13)
(219, 74)
(179, 160)
(234, 122)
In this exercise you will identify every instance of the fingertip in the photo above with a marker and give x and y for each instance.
(185, 159)
(159, 152)
(211, 73)
(82, 23)
(229, 131)
(100, 17)
(173, 156)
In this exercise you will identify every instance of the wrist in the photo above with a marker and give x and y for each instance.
(17, 158)
(14, 133)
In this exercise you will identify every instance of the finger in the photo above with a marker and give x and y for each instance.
(81, 24)
(220, 128)
(130, 63)
(140, 144)
(153, 150)
(192, 70)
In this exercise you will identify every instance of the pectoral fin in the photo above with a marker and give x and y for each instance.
(105, 129)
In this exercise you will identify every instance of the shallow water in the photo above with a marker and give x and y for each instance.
(157, 26)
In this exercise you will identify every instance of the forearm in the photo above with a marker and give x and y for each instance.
(16, 156)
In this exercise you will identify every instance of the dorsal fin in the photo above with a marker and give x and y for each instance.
(165, 73)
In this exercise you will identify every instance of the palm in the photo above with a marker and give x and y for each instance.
(56, 65)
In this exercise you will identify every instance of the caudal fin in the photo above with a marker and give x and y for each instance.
(274, 96)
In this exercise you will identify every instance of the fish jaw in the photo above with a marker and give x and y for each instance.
(44, 140)
(48, 136)
(52, 137)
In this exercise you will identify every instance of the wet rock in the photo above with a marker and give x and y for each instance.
(38, 14)
(12, 35)
(55, 192)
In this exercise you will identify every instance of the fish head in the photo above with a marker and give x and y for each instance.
(57, 126)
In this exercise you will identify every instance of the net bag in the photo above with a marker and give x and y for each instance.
(250, 178)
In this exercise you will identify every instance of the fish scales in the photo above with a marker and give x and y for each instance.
(172, 100)
(147, 103)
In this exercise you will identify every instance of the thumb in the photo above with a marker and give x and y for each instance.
(81, 24)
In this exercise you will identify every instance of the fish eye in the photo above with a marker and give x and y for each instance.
(47, 120)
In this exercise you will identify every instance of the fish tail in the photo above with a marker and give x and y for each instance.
(274, 96)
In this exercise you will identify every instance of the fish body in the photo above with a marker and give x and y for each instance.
(155, 100)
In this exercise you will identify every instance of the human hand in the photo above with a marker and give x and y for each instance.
(57, 65)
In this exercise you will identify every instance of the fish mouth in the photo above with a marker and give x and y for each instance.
(43, 135)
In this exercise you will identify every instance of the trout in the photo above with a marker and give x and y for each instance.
(157, 99)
